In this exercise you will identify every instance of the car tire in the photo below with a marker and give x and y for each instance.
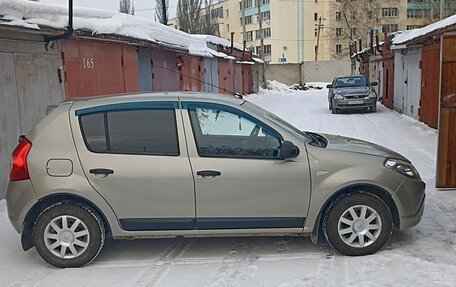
(68, 234)
(334, 110)
(357, 224)
(373, 109)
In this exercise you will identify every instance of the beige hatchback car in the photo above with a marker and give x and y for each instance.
(194, 164)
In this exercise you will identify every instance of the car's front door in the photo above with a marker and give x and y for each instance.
(240, 182)
(134, 155)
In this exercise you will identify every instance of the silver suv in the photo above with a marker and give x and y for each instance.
(172, 164)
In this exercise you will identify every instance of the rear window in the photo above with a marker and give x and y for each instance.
(151, 131)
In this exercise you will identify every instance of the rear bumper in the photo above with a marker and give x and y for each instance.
(410, 198)
(19, 199)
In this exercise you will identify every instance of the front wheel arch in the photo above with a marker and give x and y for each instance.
(358, 188)
(27, 229)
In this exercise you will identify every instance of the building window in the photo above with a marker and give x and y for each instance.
(249, 36)
(338, 31)
(390, 28)
(267, 49)
(390, 12)
(315, 16)
(338, 48)
(266, 33)
(227, 27)
(316, 32)
(416, 13)
(353, 31)
(266, 16)
(217, 13)
(411, 27)
(338, 15)
(247, 4)
(248, 20)
(227, 13)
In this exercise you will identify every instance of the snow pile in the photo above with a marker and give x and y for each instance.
(415, 33)
(32, 15)
(276, 86)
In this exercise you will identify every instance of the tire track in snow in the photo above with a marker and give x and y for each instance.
(35, 277)
(238, 264)
(157, 269)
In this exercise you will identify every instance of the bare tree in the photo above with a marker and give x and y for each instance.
(161, 11)
(354, 20)
(189, 16)
(209, 24)
(127, 7)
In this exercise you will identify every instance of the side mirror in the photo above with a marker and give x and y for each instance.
(288, 150)
(373, 84)
(329, 86)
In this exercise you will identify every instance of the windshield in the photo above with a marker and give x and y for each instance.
(280, 122)
(357, 81)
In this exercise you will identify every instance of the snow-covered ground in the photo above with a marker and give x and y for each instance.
(422, 256)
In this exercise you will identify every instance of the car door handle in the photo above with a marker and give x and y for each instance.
(104, 171)
(209, 173)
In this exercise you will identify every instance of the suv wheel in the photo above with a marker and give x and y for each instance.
(68, 235)
(358, 224)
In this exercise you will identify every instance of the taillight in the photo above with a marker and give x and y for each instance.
(19, 170)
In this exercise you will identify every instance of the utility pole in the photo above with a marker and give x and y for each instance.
(260, 23)
(442, 5)
(243, 20)
(165, 17)
(319, 26)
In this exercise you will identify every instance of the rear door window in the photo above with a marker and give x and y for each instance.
(140, 131)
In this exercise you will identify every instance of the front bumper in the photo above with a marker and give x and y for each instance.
(347, 104)
(409, 198)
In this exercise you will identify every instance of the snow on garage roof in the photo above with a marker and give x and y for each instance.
(416, 33)
(32, 15)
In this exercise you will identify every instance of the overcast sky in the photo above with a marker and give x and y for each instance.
(144, 8)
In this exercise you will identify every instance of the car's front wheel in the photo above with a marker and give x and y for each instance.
(68, 235)
(358, 224)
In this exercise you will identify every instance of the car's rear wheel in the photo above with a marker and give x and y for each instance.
(68, 235)
(358, 224)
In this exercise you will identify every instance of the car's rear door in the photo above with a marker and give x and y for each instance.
(134, 155)
(240, 181)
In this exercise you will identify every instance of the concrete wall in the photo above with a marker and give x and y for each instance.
(31, 83)
(324, 71)
(311, 71)
(285, 73)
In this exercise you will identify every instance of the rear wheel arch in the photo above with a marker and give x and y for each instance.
(358, 188)
(45, 202)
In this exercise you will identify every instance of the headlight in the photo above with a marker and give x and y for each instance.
(402, 167)
(338, 97)
(372, 94)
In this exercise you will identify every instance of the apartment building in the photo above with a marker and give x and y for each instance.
(296, 30)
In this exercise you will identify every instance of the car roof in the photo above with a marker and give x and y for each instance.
(350, 76)
(154, 96)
